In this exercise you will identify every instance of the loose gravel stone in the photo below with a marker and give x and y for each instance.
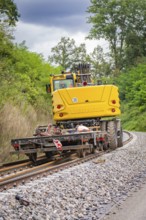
(87, 191)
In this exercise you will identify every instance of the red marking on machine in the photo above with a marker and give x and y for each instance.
(57, 144)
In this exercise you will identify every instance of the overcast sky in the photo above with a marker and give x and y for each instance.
(44, 22)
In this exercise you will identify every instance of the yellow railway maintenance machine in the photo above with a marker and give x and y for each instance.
(77, 101)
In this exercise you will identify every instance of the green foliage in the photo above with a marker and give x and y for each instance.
(133, 119)
(66, 54)
(24, 102)
(100, 67)
(122, 24)
(80, 55)
(8, 12)
(31, 75)
(133, 97)
(24, 75)
(63, 52)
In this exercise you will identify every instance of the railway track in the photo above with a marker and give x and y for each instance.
(29, 173)
(17, 166)
(14, 167)
(18, 163)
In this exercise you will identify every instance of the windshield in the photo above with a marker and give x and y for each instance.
(61, 84)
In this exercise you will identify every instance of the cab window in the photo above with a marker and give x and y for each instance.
(61, 84)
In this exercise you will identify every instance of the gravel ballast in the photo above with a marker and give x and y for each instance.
(84, 192)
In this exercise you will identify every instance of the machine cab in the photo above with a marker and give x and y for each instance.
(61, 81)
(69, 80)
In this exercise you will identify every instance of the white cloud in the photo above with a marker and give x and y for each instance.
(43, 23)
(41, 39)
(90, 44)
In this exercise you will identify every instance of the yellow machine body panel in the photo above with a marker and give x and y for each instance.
(85, 102)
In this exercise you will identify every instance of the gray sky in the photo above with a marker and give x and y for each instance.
(44, 22)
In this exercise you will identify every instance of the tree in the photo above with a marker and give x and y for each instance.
(8, 12)
(135, 49)
(63, 52)
(67, 54)
(132, 89)
(100, 67)
(117, 21)
(6, 56)
(80, 54)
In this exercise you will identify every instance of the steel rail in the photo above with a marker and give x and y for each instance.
(49, 168)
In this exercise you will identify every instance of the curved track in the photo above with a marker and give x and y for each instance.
(29, 173)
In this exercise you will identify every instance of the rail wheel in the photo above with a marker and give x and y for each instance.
(105, 143)
(120, 139)
(112, 134)
(103, 125)
(81, 153)
(32, 157)
(48, 154)
(120, 134)
(92, 150)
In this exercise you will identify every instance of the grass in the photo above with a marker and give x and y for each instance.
(17, 122)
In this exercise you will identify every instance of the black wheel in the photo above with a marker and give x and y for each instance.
(81, 153)
(78, 153)
(32, 157)
(100, 146)
(112, 134)
(120, 138)
(105, 143)
(119, 133)
(48, 154)
(92, 150)
(103, 125)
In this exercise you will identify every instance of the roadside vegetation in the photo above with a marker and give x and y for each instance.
(23, 100)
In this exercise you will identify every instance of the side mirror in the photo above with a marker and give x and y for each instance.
(48, 88)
